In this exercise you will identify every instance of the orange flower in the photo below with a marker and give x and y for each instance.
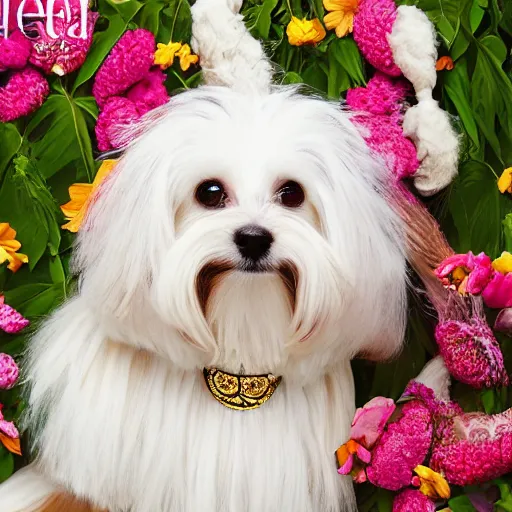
(445, 63)
(9, 247)
(431, 483)
(505, 181)
(341, 15)
(80, 194)
(304, 31)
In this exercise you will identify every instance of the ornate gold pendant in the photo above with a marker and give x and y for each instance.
(241, 392)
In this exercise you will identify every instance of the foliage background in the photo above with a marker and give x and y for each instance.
(42, 155)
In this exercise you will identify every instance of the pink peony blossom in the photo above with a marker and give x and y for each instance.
(7, 427)
(14, 51)
(471, 353)
(11, 321)
(370, 421)
(8, 371)
(24, 92)
(402, 447)
(412, 500)
(118, 112)
(498, 292)
(128, 62)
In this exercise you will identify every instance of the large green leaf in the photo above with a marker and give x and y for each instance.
(348, 56)
(27, 204)
(478, 209)
(9, 145)
(59, 136)
(456, 85)
(6, 463)
(258, 18)
(177, 22)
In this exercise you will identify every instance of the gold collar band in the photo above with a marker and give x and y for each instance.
(240, 392)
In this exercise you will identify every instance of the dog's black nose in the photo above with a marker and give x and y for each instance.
(253, 242)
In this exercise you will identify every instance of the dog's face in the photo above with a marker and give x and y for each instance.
(268, 209)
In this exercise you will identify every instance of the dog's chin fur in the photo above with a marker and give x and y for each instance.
(118, 408)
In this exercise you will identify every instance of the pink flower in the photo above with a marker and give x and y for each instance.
(412, 500)
(498, 292)
(466, 273)
(118, 112)
(7, 427)
(128, 62)
(8, 371)
(471, 353)
(402, 447)
(479, 450)
(150, 92)
(14, 51)
(24, 92)
(11, 321)
(370, 421)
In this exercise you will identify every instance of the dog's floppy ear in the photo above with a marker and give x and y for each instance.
(229, 55)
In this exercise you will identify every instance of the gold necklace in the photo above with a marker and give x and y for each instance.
(240, 392)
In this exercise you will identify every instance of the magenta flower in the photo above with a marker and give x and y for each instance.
(402, 447)
(118, 112)
(7, 427)
(370, 421)
(8, 371)
(471, 353)
(412, 500)
(128, 62)
(498, 292)
(11, 321)
(150, 92)
(479, 448)
(24, 92)
(466, 273)
(14, 51)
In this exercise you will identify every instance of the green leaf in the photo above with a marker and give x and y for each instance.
(315, 77)
(488, 400)
(9, 146)
(456, 85)
(292, 78)
(149, 16)
(478, 209)
(27, 204)
(57, 270)
(346, 53)
(505, 501)
(35, 300)
(101, 46)
(179, 21)
(476, 15)
(88, 103)
(258, 18)
(461, 504)
(507, 232)
(61, 119)
(6, 463)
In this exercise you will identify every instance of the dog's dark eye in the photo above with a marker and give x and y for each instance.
(291, 194)
(211, 194)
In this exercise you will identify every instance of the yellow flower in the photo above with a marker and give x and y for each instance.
(9, 247)
(81, 194)
(304, 31)
(503, 264)
(186, 57)
(505, 181)
(164, 55)
(341, 15)
(432, 484)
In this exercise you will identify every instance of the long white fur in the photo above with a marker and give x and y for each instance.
(230, 56)
(413, 42)
(118, 408)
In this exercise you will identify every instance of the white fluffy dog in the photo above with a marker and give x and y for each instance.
(245, 232)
